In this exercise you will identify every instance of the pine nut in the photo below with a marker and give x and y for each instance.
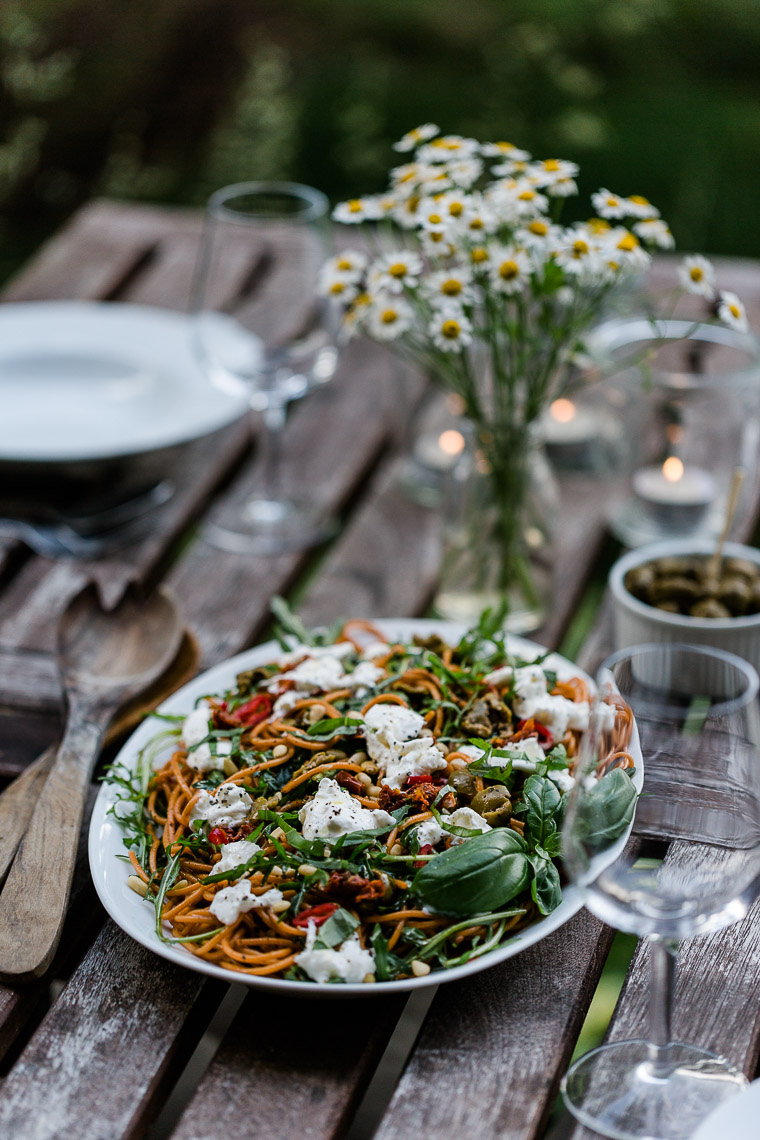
(137, 885)
(367, 766)
(230, 767)
(306, 869)
(280, 906)
(397, 849)
(368, 979)
(278, 833)
(364, 778)
(279, 750)
(373, 793)
(316, 712)
(360, 758)
(275, 872)
(457, 764)
(420, 969)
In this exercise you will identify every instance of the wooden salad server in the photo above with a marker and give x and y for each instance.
(19, 799)
(106, 659)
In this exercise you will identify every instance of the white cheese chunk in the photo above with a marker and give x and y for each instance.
(430, 832)
(415, 758)
(347, 963)
(229, 903)
(233, 854)
(563, 780)
(365, 676)
(196, 727)
(388, 725)
(606, 716)
(298, 652)
(202, 759)
(228, 806)
(375, 649)
(334, 812)
(469, 818)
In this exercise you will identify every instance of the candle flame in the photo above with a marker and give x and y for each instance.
(451, 442)
(563, 411)
(672, 469)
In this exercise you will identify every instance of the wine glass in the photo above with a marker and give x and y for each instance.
(262, 331)
(697, 726)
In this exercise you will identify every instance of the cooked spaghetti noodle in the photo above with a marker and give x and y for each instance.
(287, 827)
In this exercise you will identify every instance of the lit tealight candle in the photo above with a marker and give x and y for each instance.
(440, 452)
(675, 495)
(570, 433)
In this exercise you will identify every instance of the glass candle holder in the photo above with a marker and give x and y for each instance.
(687, 398)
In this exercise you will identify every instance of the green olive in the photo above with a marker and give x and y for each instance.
(675, 589)
(494, 804)
(735, 593)
(710, 608)
(463, 782)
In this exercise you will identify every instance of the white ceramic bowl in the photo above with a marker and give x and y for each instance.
(636, 623)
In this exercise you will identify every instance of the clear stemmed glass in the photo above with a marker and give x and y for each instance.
(263, 332)
(697, 726)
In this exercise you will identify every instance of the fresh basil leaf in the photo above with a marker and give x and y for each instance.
(545, 889)
(607, 810)
(338, 927)
(542, 799)
(475, 877)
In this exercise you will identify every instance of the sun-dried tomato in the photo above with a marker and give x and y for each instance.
(533, 727)
(426, 849)
(349, 781)
(316, 914)
(255, 710)
(219, 836)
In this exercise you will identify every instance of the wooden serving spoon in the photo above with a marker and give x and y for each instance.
(106, 658)
(19, 799)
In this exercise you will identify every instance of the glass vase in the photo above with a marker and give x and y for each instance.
(499, 518)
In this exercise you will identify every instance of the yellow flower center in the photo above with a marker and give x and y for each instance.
(337, 287)
(479, 254)
(455, 209)
(389, 316)
(696, 273)
(344, 264)
(452, 287)
(550, 164)
(435, 219)
(628, 243)
(435, 237)
(509, 270)
(476, 224)
(407, 176)
(527, 195)
(505, 146)
(639, 200)
(580, 248)
(613, 201)
(398, 269)
(735, 311)
(613, 265)
(540, 229)
(598, 225)
(362, 299)
(450, 329)
(355, 206)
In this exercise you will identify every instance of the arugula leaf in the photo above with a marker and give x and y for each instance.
(483, 767)
(328, 727)
(387, 964)
(288, 624)
(487, 636)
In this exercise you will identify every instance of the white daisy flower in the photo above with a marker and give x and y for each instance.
(509, 270)
(354, 319)
(388, 318)
(551, 170)
(622, 246)
(448, 285)
(609, 205)
(697, 275)
(639, 207)
(578, 252)
(357, 210)
(396, 271)
(350, 261)
(454, 205)
(405, 212)
(340, 286)
(504, 150)
(654, 230)
(451, 330)
(538, 234)
(562, 188)
(433, 216)
(446, 147)
(732, 312)
(480, 258)
(465, 171)
(436, 244)
(416, 136)
(406, 179)
(478, 219)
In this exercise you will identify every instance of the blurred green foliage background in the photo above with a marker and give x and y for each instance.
(165, 99)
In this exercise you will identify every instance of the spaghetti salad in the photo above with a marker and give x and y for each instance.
(360, 811)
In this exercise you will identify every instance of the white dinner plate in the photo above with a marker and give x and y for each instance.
(82, 380)
(737, 1118)
(134, 916)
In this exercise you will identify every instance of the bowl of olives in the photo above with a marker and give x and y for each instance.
(669, 591)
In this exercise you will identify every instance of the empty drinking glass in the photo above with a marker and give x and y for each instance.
(692, 714)
(263, 331)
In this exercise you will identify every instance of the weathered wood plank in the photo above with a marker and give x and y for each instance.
(269, 1071)
(88, 1070)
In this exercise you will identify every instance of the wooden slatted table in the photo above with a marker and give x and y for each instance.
(117, 1043)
